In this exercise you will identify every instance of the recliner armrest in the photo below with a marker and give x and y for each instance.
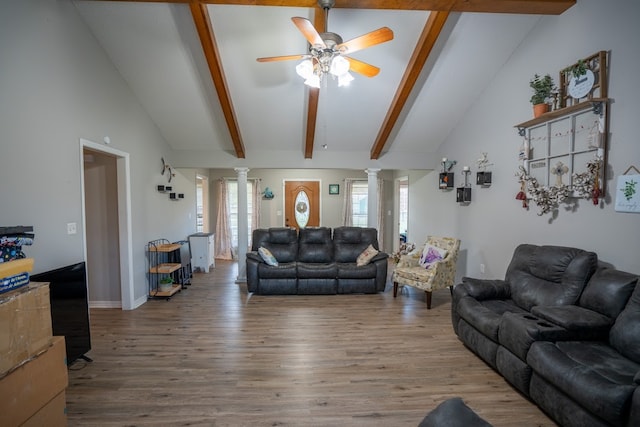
(379, 256)
(483, 289)
(254, 256)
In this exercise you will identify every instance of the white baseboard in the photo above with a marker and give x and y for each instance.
(137, 303)
(105, 304)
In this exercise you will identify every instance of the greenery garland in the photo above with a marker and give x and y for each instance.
(585, 186)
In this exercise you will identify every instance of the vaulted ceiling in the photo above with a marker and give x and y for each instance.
(192, 65)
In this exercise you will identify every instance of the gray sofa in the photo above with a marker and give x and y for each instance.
(315, 260)
(562, 330)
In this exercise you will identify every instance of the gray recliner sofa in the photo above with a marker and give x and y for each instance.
(562, 330)
(315, 260)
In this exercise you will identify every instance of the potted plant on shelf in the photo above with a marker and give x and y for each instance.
(166, 283)
(543, 87)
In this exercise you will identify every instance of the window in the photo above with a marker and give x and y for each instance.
(201, 193)
(232, 200)
(359, 203)
(403, 220)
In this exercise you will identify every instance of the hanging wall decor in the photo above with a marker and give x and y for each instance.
(628, 191)
(563, 152)
(483, 176)
(445, 178)
(463, 194)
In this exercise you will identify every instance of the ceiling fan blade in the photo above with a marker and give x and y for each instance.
(308, 30)
(363, 68)
(373, 38)
(283, 58)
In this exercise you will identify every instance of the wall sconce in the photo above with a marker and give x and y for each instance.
(445, 178)
(463, 194)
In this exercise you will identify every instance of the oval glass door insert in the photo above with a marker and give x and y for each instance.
(302, 209)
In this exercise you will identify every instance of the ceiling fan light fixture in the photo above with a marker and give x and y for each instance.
(313, 80)
(305, 69)
(345, 79)
(339, 66)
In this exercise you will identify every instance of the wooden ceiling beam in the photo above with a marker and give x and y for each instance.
(202, 22)
(537, 7)
(427, 40)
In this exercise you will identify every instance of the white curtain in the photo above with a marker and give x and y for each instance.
(256, 203)
(380, 213)
(347, 207)
(223, 228)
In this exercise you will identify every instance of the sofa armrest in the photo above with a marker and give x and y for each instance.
(409, 260)
(254, 256)
(483, 289)
(582, 323)
(380, 256)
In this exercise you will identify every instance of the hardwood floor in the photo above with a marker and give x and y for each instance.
(215, 356)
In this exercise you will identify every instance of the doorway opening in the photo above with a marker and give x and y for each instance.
(202, 204)
(402, 212)
(106, 220)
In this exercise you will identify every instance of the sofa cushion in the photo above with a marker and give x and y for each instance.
(282, 242)
(315, 245)
(267, 256)
(349, 242)
(485, 316)
(281, 271)
(608, 291)
(594, 374)
(625, 333)
(366, 256)
(308, 270)
(548, 275)
(352, 271)
(431, 254)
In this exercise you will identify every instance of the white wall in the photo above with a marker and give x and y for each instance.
(494, 223)
(58, 86)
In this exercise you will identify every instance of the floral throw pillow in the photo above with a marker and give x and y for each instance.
(267, 256)
(366, 256)
(430, 255)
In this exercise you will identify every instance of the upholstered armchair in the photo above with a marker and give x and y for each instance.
(428, 267)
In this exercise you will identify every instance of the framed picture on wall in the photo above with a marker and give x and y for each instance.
(334, 189)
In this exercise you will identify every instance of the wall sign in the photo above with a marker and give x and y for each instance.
(628, 193)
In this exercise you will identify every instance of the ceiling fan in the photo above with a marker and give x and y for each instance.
(327, 51)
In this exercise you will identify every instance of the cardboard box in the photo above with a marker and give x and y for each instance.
(53, 414)
(25, 316)
(16, 266)
(15, 274)
(30, 387)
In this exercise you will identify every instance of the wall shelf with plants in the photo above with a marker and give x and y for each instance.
(582, 85)
(564, 150)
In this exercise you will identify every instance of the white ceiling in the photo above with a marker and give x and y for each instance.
(157, 50)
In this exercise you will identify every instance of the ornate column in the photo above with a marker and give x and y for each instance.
(372, 197)
(243, 224)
